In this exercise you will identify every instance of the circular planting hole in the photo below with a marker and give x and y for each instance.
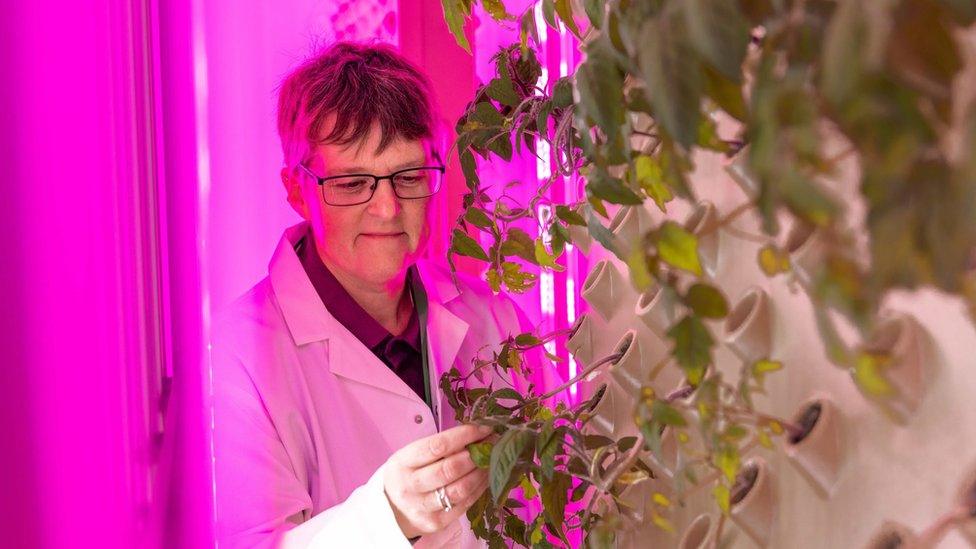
(576, 327)
(694, 222)
(624, 346)
(799, 236)
(618, 219)
(597, 398)
(744, 482)
(593, 276)
(883, 340)
(807, 420)
(741, 312)
(889, 540)
(681, 393)
(645, 299)
(696, 533)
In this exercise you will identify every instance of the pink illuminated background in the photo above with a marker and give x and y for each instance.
(141, 193)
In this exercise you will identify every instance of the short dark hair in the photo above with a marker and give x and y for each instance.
(361, 85)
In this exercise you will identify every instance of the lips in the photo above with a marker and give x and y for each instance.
(384, 234)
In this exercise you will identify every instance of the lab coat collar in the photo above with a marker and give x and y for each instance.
(309, 321)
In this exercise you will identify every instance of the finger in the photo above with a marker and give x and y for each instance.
(461, 508)
(430, 449)
(442, 472)
(458, 491)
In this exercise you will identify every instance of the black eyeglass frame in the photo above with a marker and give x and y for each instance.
(376, 182)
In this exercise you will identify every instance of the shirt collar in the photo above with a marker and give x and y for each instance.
(343, 307)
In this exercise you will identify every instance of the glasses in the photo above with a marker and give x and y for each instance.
(358, 188)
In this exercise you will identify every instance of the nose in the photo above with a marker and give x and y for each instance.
(384, 203)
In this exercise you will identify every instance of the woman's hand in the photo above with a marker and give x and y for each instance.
(415, 471)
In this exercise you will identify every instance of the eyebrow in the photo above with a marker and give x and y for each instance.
(358, 169)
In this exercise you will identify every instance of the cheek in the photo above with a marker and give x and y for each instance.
(338, 233)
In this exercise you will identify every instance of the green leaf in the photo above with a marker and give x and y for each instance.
(504, 458)
(462, 244)
(515, 528)
(565, 10)
(594, 12)
(571, 217)
(562, 93)
(706, 301)
(501, 145)
(549, 13)
(719, 33)
(484, 115)
(678, 247)
(725, 92)
(548, 445)
(455, 12)
(554, 497)
(600, 233)
(528, 29)
(500, 89)
(673, 87)
(470, 169)
(921, 48)
(527, 339)
(478, 218)
(480, 453)
(600, 85)
(692, 347)
(845, 47)
(611, 189)
(497, 10)
(666, 414)
(519, 243)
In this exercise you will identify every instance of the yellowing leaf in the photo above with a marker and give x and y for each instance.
(867, 375)
(727, 460)
(773, 261)
(630, 477)
(661, 499)
(721, 494)
(528, 490)
(480, 453)
(650, 177)
(762, 367)
(536, 535)
(678, 247)
(775, 427)
(662, 523)
(764, 439)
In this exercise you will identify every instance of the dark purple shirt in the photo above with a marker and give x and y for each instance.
(400, 353)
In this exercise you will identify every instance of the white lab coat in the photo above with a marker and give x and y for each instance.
(305, 415)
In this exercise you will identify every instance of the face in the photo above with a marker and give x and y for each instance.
(375, 242)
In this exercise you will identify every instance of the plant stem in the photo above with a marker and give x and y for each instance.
(624, 464)
(586, 371)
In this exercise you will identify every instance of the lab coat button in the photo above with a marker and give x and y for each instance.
(418, 418)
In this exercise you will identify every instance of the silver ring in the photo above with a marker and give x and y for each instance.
(443, 499)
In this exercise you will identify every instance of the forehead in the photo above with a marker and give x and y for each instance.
(363, 154)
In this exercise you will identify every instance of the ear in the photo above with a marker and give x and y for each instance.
(293, 188)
